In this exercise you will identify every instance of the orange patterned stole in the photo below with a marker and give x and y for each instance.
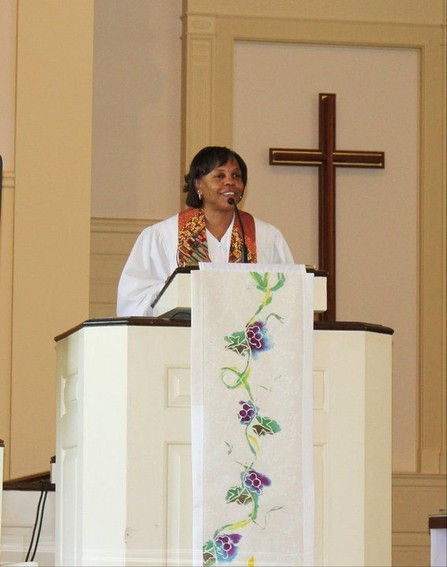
(192, 243)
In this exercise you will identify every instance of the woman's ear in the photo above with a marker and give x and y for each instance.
(198, 188)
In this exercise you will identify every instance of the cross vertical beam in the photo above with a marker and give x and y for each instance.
(326, 198)
(327, 159)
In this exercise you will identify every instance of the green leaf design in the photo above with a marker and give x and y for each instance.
(276, 316)
(237, 342)
(266, 426)
(280, 282)
(238, 495)
(208, 553)
(260, 280)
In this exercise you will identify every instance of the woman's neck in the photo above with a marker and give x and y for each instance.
(217, 222)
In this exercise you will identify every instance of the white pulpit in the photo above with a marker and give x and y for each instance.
(437, 524)
(123, 465)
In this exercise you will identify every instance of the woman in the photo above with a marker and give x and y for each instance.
(207, 231)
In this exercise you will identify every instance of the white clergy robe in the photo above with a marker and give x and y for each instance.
(154, 258)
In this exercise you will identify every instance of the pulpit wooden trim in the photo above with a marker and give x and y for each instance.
(131, 321)
(162, 322)
(352, 326)
(32, 482)
(437, 522)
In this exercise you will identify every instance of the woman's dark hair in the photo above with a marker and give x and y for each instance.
(205, 161)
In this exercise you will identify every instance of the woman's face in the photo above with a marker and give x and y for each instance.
(219, 185)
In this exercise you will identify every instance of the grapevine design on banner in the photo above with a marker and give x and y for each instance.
(248, 344)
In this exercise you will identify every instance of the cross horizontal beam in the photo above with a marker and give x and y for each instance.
(289, 156)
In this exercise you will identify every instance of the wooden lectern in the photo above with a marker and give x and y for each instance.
(123, 465)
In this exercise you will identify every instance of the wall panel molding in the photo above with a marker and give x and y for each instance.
(415, 498)
(111, 242)
(429, 41)
(6, 289)
(8, 179)
(197, 115)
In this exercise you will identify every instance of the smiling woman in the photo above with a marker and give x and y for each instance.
(215, 183)
(209, 230)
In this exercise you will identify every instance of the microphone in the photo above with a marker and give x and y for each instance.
(231, 201)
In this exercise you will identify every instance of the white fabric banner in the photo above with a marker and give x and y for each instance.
(251, 399)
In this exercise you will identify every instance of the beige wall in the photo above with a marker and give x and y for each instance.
(376, 210)
(8, 19)
(44, 285)
(136, 108)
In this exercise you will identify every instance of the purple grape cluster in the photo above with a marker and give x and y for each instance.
(255, 335)
(258, 338)
(247, 412)
(226, 546)
(255, 481)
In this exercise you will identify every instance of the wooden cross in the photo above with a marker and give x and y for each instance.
(327, 158)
